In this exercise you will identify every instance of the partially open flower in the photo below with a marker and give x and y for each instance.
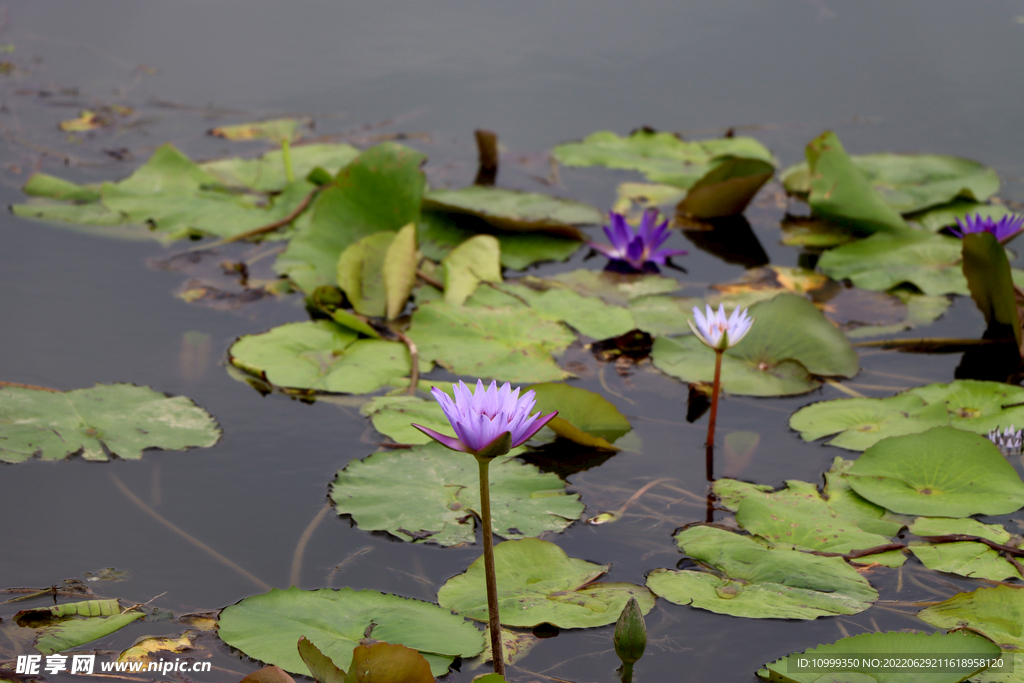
(1004, 229)
(637, 250)
(718, 332)
(1009, 442)
(490, 422)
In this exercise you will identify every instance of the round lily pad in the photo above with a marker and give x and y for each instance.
(758, 582)
(439, 492)
(977, 406)
(929, 262)
(538, 583)
(996, 613)
(516, 211)
(944, 472)
(267, 627)
(108, 419)
(862, 422)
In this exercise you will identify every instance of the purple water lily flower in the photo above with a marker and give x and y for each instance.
(1004, 229)
(636, 250)
(483, 419)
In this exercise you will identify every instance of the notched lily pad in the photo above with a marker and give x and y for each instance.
(320, 356)
(583, 416)
(440, 495)
(515, 211)
(942, 472)
(108, 419)
(538, 583)
(758, 582)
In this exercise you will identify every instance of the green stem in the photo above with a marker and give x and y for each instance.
(714, 398)
(493, 621)
(286, 154)
(627, 673)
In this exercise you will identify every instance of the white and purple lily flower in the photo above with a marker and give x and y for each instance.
(1004, 229)
(482, 419)
(1010, 442)
(718, 332)
(637, 250)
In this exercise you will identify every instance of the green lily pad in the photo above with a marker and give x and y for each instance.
(662, 157)
(583, 416)
(271, 129)
(515, 211)
(893, 645)
(995, 613)
(662, 315)
(177, 197)
(439, 492)
(588, 315)
(987, 271)
(399, 270)
(476, 260)
(945, 216)
(929, 262)
(266, 173)
(911, 183)
(538, 583)
(921, 310)
(797, 517)
(770, 360)
(976, 406)
(850, 505)
(727, 188)
(52, 187)
(509, 344)
(862, 422)
(758, 582)
(393, 415)
(942, 472)
(108, 419)
(361, 273)
(320, 356)
(267, 627)
(839, 191)
(439, 233)
(966, 558)
(71, 633)
(379, 190)
(614, 288)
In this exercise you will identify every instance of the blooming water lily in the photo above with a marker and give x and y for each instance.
(637, 250)
(1009, 442)
(1004, 229)
(489, 423)
(719, 333)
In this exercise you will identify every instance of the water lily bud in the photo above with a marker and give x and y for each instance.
(630, 633)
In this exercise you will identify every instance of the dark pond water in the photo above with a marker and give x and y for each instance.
(921, 76)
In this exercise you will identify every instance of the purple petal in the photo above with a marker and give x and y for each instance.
(448, 441)
(533, 429)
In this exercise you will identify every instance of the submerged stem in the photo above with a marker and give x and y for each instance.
(493, 621)
(714, 398)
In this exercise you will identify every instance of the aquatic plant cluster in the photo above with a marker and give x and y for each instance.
(429, 283)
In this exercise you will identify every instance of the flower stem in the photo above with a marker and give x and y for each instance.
(493, 621)
(714, 398)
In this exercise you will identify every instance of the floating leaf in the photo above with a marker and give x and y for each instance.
(662, 315)
(52, 187)
(863, 422)
(840, 192)
(380, 190)
(271, 129)
(102, 617)
(268, 674)
(929, 262)
(942, 472)
(319, 664)
(476, 260)
(760, 582)
(266, 173)
(921, 310)
(516, 211)
(945, 216)
(662, 157)
(509, 344)
(987, 271)
(108, 419)
(771, 360)
(976, 406)
(590, 316)
(966, 558)
(538, 583)
(361, 273)
(727, 188)
(400, 270)
(393, 415)
(614, 288)
(440, 494)
(942, 526)
(439, 233)
(583, 416)
(514, 646)
(320, 356)
(268, 626)
(388, 663)
(846, 502)
(144, 648)
(797, 517)
(893, 646)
